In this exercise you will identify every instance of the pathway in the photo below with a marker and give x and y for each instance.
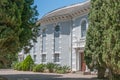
(9, 74)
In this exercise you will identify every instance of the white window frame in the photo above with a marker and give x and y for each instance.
(56, 60)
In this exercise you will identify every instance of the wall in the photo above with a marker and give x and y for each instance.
(76, 36)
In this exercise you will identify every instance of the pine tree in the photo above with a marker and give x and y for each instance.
(103, 37)
(17, 25)
(28, 24)
(111, 36)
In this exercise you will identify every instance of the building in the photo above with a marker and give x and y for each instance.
(62, 37)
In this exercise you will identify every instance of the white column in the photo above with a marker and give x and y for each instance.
(74, 65)
(78, 61)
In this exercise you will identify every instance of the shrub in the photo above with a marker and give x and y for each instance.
(1, 65)
(18, 66)
(51, 67)
(59, 69)
(66, 69)
(13, 64)
(62, 69)
(39, 68)
(27, 64)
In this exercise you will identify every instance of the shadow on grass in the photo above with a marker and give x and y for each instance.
(39, 77)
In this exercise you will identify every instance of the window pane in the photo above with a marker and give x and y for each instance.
(34, 57)
(43, 57)
(43, 41)
(56, 58)
(56, 38)
(57, 28)
(83, 28)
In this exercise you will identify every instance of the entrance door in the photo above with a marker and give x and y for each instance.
(83, 65)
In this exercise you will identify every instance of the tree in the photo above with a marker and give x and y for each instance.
(17, 25)
(111, 36)
(8, 59)
(103, 37)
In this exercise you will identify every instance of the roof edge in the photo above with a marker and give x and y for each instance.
(65, 7)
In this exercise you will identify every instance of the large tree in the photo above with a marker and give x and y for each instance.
(103, 37)
(17, 25)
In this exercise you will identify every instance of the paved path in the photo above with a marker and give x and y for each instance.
(9, 74)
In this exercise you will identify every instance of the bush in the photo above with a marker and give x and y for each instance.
(18, 66)
(13, 65)
(62, 69)
(66, 69)
(57, 68)
(39, 68)
(51, 67)
(27, 64)
(1, 65)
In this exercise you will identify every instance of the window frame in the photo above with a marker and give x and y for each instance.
(56, 36)
(35, 58)
(43, 36)
(86, 24)
(56, 57)
(43, 58)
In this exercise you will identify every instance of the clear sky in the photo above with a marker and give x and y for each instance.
(45, 6)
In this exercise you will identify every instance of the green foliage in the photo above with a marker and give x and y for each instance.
(103, 36)
(17, 25)
(1, 65)
(14, 64)
(62, 69)
(17, 66)
(39, 68)
(9, 58)
(50, 67)
(27, 64)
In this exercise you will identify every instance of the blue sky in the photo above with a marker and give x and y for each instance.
(45, 6)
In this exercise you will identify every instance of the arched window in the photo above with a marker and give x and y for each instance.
(83, 28)
(44, 40)
(44, 33)
(56, 38)
(57, 29)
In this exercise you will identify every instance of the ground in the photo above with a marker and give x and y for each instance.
(9, 74)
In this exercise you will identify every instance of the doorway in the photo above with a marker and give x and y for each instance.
(82, 62)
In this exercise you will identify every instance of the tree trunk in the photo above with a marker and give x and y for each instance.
(113, 76)
(116, 77)
(101, 72)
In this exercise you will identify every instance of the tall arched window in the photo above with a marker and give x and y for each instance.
(44, 40)
(57, 29)
(56, 43)
(56, 38)
(83, 28)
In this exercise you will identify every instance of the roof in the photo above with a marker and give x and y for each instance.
(67, 9)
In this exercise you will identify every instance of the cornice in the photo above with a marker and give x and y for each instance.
(64, 17)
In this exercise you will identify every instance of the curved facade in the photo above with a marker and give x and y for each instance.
(62, 37)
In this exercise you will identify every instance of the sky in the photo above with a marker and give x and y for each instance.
(45, 6)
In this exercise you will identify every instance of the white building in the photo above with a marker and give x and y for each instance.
(62, 37)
